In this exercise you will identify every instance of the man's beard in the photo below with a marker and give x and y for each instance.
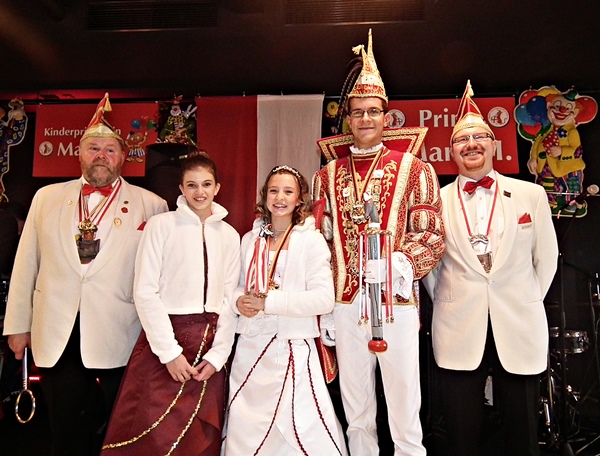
(99, 175)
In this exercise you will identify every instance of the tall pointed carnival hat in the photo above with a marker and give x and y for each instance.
(469, 114)
(369, 83)
(98, 126)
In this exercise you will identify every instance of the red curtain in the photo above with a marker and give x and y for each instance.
(227, 130)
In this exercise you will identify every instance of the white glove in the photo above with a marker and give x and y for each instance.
(402, 273)
(376, 271)
(327, 228)
(327, 328)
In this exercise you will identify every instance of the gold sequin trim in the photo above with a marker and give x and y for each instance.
(415, 135)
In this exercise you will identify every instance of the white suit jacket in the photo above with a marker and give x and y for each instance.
(512, 293)
(48, 287)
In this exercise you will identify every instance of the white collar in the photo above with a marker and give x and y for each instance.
(355, 150)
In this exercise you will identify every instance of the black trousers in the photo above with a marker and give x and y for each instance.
(516, 399)
(79, 401)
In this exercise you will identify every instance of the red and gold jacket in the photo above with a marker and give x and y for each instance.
(406, 192)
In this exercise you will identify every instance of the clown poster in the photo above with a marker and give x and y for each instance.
(549, 119)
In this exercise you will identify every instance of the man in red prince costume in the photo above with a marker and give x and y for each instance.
(405, 193)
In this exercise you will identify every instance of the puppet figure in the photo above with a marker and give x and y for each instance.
(135, 145)
(549, 119)
(137, 137)
(12, 132)
(180, 126)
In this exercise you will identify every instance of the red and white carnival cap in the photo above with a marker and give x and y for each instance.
(469, 114)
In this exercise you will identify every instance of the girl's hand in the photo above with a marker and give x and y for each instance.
(250, 305)
(205, 371)
(180, 369)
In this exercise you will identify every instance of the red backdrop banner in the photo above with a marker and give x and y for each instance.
(59, 128)
(227, 131)
(440, 116)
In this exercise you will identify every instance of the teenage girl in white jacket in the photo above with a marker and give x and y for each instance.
(187, 267)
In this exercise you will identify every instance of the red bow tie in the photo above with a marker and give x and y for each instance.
(486, 182)
(87, 189)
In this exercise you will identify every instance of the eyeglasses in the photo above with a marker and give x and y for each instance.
(371, 112)
(479, 137)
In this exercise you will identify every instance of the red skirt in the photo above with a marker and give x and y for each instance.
(154, 415)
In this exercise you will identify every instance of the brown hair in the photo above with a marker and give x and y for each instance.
(303, 210)
(198, 159)
(384, 105)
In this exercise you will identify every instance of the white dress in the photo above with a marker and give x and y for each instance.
(278, 399)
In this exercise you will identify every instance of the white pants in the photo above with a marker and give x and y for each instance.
(399, 366)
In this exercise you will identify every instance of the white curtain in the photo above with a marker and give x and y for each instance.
(288, 128)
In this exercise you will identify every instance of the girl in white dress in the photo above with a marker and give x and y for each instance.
(278, 399)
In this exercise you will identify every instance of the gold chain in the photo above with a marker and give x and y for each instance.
(164, 415)
(189, 423)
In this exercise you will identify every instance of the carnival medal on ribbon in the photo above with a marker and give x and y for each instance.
(88, 246)
(258, 271)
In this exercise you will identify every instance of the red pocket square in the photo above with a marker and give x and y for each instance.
(525, 218)
(141, 227)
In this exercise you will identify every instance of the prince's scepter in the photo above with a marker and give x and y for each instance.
(373, 235)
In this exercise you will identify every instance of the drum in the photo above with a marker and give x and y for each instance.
(576, 341)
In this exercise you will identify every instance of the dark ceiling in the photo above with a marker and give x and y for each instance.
(247, 46)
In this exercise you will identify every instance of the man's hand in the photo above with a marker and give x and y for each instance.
(18, 343)
(327, 327)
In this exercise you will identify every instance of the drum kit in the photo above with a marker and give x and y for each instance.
(553, 386)
(561, 406)
(576, 341)
(559, 401)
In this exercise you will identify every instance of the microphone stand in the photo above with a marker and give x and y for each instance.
(565, 446)
(594, 325)
(595, 331)
(594, 328)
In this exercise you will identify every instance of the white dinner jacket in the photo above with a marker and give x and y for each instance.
(48, 287)
(512, 293)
